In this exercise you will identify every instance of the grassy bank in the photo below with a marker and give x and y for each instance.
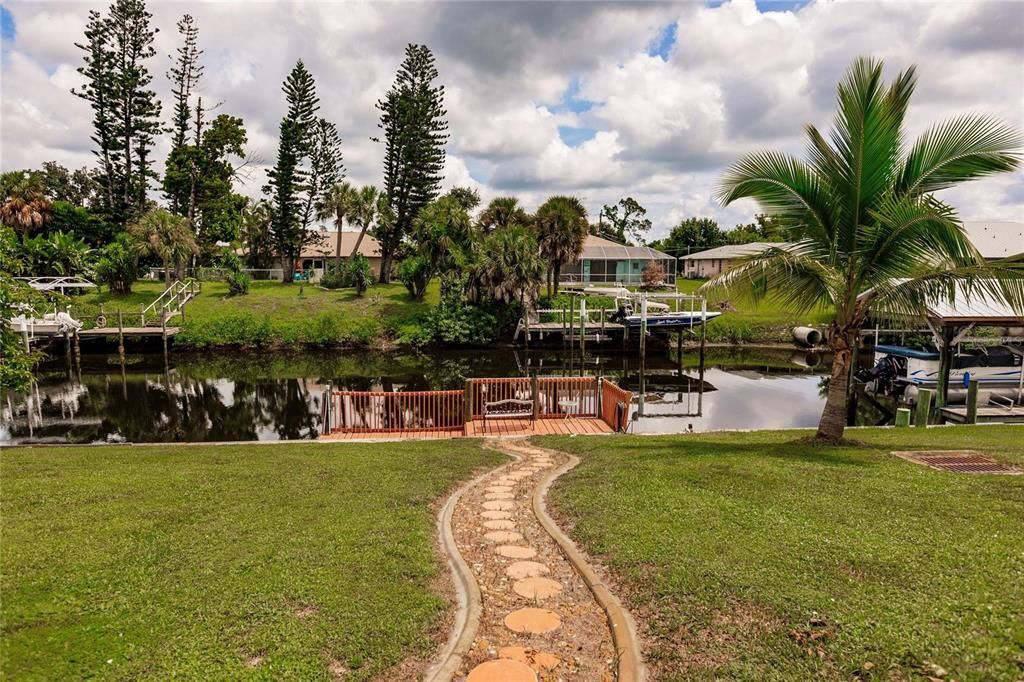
(746, 321)
(298, 561)
(751, 557)
(275, 314)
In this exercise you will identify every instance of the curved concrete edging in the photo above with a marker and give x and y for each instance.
(624, 637)
(467, 592)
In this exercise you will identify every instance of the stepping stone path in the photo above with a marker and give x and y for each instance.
(538, 619)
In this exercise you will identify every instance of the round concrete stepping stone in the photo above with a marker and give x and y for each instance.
(501, 524)
(533, 621)
(525, 569)
(499, 496)
(502, 670)
(499, 489)
(516, 552)
(493, 514)
(538, 660)
(503, 536)
(537, 588)
(499, 505)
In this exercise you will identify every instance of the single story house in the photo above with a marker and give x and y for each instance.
(607, 262)
(705, 264)
(319, 253)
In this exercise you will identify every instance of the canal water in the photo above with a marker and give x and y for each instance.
(253, 396)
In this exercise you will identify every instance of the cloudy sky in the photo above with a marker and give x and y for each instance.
(600, 100)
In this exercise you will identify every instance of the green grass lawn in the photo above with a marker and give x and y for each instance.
(750, 557)
(749, 321)
(273, 313)
(222, 562)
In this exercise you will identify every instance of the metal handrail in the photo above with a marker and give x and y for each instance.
(188, 288)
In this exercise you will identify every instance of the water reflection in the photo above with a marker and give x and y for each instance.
(247, 396)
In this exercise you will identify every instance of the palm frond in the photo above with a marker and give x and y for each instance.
(783, 186)
(1001, 282)
(907, 236)
(788, 277)
(965, 148)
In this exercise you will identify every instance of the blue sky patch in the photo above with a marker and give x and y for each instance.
(663, 44)
(6, 24)
(571, 100)
(574, 136)
(770, 5)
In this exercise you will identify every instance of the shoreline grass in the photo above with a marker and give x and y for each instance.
(231, 561)
(748, 556)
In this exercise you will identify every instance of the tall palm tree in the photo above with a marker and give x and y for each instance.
(869, 236)
(364, 212)
(167, 236)
(561, 224)
(503, 212)
(338, 203)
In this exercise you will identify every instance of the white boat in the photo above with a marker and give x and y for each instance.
(47, 325)
(992, 366)
(660, 316)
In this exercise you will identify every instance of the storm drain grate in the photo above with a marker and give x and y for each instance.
(963, 461)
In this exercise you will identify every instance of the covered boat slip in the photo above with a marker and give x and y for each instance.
(951, 374)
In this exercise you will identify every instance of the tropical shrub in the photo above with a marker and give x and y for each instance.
(358, 274)
(333, 277)
(238, 283)
(118, 266)
(414, 272)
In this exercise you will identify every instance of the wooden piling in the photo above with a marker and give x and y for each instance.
(902, 416)
(120, 337)
(78, 349)
(924, 407)
(972, 401)
(142, 315)
(163, 330)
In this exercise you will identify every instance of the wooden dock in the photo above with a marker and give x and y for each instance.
(99, 332)
(490, 428)
(987, 414)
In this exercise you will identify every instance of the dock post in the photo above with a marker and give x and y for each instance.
(536, 395)
(584, 319)
(972, 401)
(142, 315)
(78, 349)
(924, 407)
(902, 416)
(67, 350)
(163, 330)
(120, 337)
(467, 407)
(328, 403)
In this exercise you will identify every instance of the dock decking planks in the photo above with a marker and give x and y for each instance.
(494, 427)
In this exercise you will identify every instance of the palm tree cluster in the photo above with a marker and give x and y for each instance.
(869, 236)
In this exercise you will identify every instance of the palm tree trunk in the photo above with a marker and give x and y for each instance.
(385, 267)
(558, 275)
(549, 281)
(167, 273)
(833, 417)
(337, 244)
(359, 240)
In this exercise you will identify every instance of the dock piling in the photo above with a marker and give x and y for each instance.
(120, 337)
(972, 401)
(924, 407)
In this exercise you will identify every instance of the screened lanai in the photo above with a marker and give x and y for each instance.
(606, 262)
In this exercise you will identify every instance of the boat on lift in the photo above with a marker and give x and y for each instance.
(50, 324)
(658, 315)
(901, 366)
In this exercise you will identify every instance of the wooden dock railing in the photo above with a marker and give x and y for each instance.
(450, 411)
(387, 412)
(615, 406)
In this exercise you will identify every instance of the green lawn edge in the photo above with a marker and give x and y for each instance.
(750, 556)
(301, 561)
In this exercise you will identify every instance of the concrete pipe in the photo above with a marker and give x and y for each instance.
(808, 336)
(805, 359)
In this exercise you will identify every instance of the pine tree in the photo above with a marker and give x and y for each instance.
(184, 76)
(325, 168)
(287, 178)
(415, 134)
(126, 113)
(98, 91)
